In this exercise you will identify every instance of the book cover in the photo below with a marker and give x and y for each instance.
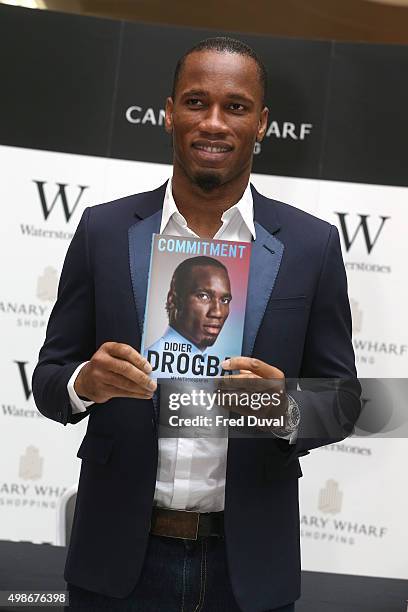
(195, 305)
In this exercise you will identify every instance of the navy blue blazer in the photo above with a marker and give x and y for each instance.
(297, 319)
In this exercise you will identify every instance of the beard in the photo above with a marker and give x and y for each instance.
(207, 181)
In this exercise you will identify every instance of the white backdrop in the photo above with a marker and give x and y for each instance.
(354, 501)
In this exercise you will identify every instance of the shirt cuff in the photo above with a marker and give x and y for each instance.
(291, 437)
(77, 404)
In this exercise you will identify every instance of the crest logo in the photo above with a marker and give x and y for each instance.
(31, 464)
(47, 285)
(330, 498)
(356, 316)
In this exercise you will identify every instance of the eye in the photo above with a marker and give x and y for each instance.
(226, 300)
(203, 297)
(194, 102)
(236, 106)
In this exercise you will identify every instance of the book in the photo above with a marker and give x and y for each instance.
(195, 305)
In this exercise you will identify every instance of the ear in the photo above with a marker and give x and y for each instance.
(173, 304)
(168, 117)
(263, 124)
(173, 299)
(177, 301)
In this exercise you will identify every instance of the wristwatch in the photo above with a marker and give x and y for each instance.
(292, 415)
(292, 418)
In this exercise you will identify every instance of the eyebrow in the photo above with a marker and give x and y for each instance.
(239, 97)
(194, 92)
(231, 96)
(210, 291)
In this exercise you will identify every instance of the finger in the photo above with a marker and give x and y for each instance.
(248, 374)
(115, 392)
(240, 375)
(131, 372)
(128, 353)
(125, 384)
(256, 366)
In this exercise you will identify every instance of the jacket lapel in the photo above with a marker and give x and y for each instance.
(266, 257)
(140, 241)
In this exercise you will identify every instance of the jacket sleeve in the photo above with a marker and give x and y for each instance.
(328, 392)
(70, 337)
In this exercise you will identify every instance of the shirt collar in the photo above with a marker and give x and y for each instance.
(174, 336)
(244, 207)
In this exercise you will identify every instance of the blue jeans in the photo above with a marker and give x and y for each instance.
(177, 576)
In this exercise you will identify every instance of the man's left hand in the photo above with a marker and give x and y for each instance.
(267, 379)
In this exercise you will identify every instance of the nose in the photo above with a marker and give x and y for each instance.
(213, 121)
(216, 309)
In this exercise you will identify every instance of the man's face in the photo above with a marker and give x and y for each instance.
(205, 306)
(216, 117)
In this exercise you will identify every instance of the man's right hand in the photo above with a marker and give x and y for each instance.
(115, 370)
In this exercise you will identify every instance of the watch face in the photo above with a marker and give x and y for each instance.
(293, 414)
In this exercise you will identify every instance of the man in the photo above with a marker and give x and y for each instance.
(198, 304)
(297, 325)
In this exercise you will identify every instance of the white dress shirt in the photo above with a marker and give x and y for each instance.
(191, 471)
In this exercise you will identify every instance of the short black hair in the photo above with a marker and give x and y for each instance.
(182, 274)
(181, 278)
(224, 44)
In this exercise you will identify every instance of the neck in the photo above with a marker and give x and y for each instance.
(180, 331)
(203, 209)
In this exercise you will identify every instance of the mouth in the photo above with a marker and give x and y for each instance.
(212, 330)
(211, 151)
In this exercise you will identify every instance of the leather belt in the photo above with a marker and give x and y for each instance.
(185, 524)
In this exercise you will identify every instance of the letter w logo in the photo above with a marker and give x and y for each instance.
(24, 378)
(60, 195)
(348, 242)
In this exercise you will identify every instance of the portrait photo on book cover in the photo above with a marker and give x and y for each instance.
(195, 305)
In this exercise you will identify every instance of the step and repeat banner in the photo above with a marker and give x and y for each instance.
(82, 122)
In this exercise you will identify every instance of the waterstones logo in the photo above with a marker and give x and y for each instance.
(12, 410)
(346, 449)
(369, 234)
(24, 379)
(59, 197)
(362, 232)
(333, 529)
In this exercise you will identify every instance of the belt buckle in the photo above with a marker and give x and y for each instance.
(185, 529)
(196, 526)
